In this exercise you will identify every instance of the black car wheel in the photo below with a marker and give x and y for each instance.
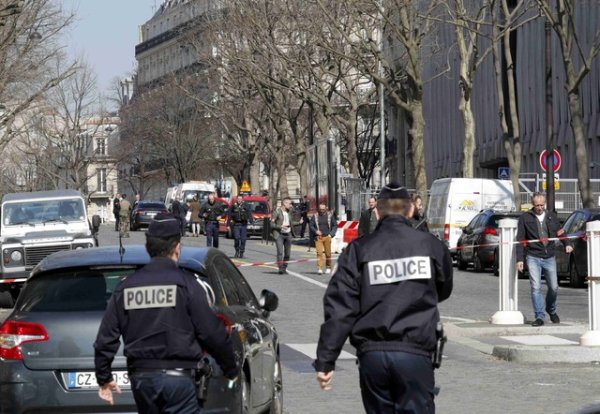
(575, 280)
(277, 401)
(460, 263)
(477, 264)
(6, 299)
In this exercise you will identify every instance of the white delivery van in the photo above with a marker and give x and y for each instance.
(453, 202)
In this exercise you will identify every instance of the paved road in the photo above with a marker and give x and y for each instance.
(469, 381)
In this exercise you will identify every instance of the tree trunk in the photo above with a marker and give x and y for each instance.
(417, 131)
(469, 124)
(255, 184)
(580, 148)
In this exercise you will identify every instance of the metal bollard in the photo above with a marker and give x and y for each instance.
(592, 337)
(507, 267)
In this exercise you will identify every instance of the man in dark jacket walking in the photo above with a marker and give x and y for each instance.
(384, 293)
(369, 218)
(540, 225)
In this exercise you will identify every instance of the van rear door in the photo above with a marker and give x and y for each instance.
(465, 203)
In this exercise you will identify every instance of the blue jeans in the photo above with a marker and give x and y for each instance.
(240, 234)
(396, 383)
(536, 266)
(212, 234)
(158, 393)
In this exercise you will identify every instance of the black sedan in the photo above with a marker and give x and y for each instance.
(479, 242)
(144, 213)
(574, 265)
(46, 343)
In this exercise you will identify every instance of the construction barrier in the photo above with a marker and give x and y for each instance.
(346, 232)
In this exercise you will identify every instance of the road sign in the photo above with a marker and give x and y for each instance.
(245, 188)
(556, 161)
(556, 181)
(504, 173)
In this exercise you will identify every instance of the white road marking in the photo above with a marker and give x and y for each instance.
(307, 279)
(539, 340)
(452, 318)
(310, 350)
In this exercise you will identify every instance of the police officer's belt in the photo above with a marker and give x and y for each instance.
(176, 372)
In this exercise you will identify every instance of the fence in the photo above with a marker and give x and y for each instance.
(567, 197)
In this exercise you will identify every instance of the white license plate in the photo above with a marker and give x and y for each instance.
(151, 214)
(88, 379)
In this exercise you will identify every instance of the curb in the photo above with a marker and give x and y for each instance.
(565, 354)
(480, 328)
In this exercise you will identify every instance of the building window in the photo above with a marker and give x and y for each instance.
(101, 176)
(101, 146)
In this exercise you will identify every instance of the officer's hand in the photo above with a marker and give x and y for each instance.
(520, 266)
(324, 380)
(569, 249)
(560, 232)
(319, 233)
(105, 391)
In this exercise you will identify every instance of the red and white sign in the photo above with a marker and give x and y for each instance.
(556, 161)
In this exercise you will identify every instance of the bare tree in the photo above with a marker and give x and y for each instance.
(577, 64)
(30, 34)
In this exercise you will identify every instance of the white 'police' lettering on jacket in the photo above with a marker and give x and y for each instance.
(146, 297)
(397, 270)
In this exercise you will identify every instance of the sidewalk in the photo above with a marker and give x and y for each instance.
(551, 343)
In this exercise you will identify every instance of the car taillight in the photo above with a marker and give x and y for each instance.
(446, 232)
(490, 231)
(226, 322)
(14, 334)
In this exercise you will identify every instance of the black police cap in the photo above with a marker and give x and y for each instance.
(393, 190)
(164, 226)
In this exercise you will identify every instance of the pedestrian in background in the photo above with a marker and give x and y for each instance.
(539, 224)
(283, 231)
(165, 336)
(418, 219)
(211, 211)
(384, 294)
(179, 212)
(368, 218)
(136, 201)
(124, 216)
(324, 226)
(304, 219)
(116, 208)
(195, 216)
(238, 217)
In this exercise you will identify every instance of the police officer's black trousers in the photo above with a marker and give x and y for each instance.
(240, 234)
(396, 383)
(212, 233)
(158, 393)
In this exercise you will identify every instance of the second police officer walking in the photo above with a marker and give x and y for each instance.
(238, 217)
(211, 211)
(384, 294)
(166, 335)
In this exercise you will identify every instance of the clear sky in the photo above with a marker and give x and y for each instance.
(105, 33)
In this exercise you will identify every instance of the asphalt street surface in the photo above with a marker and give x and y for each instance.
(468, 381)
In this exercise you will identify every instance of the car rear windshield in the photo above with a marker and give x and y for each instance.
(68, 291)
(158, 206)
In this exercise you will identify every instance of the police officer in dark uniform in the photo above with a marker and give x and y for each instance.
(238, 216)
(211, 211)
(384, 293)
(166, 323)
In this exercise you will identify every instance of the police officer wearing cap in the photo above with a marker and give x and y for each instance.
(384, 293)
(167, 324)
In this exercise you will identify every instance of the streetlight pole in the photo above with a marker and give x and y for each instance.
(550, 205)
(382, 137)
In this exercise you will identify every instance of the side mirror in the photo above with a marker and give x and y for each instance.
(465, 230)
(268, 300)
(96, 223)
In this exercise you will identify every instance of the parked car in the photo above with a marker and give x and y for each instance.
(260, 209)
(574, 265)
(46, 343)
(478, 243)
(144, 213)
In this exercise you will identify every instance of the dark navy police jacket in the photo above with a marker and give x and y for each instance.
(166, 323)
(384, 293)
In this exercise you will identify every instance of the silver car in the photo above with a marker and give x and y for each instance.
(46, 351)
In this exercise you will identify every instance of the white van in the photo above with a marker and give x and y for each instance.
(453, 202)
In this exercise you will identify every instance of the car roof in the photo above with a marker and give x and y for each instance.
(150, 202)
(40, 194)
(192, 258)
(254, 198)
